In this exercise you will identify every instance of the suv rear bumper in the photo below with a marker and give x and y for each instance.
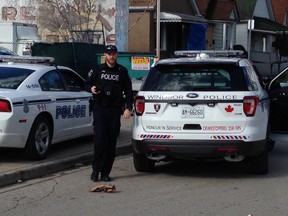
(198, 148)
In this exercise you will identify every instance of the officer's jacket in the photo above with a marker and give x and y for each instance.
(113, 84)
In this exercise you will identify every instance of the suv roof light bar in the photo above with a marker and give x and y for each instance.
(27, 59)
(215, 53)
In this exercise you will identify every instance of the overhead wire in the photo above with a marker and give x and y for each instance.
(138, 19)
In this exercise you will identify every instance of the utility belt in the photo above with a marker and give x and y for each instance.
(106, 102)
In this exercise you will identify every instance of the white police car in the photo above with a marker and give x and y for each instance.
(201, 104)
(40, 104)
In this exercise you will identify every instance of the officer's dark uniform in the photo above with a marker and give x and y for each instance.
(111, 84)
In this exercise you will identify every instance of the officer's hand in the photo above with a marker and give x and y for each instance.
(127, 114)
(94, 90)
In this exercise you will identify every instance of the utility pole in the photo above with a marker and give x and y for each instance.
(158, 31)
(251, 23)
(121, 24)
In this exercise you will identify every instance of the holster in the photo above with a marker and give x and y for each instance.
(91, 105)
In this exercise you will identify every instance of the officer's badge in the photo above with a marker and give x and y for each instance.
(157, 107)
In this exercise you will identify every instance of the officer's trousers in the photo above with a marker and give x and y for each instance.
(106, 130)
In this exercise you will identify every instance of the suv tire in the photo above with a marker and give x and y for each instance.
(142, 163)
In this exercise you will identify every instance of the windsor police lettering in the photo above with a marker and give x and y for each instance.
(220, 97)
(114, 77)
(166, 97)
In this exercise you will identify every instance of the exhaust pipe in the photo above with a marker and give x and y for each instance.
(153, 155)
(233, 157)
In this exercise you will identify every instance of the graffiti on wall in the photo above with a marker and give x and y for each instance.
(101, 21)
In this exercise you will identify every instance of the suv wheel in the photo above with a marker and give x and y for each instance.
(142, 163)
(259, 164)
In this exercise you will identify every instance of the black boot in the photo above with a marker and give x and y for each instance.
(106, 178)
(95, 176)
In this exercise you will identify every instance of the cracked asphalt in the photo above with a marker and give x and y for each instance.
(66, 155)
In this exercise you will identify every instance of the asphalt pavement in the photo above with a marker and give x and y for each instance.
(66, 155)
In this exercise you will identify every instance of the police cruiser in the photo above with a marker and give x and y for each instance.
(41, 104)
(201, 104)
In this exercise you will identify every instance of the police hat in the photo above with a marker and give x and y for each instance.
(110, 49)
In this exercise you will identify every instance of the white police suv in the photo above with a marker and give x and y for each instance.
(40, 104)
(201, 104)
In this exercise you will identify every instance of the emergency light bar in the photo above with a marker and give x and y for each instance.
(214, 53)
(27, 59)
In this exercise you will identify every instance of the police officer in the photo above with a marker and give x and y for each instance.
(108, 82)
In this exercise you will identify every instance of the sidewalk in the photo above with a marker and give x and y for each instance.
(66, 155)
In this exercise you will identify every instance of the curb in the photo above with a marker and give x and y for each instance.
(54, 166)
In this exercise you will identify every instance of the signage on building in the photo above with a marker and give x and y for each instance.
(140, 63)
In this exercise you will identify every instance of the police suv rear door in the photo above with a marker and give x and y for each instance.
(278, 91)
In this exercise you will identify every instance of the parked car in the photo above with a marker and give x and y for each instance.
(41, 104)
(5, 51)
(200, 105)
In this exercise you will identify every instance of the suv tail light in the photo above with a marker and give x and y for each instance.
(139, 103)
(250, 105)
(5, 106)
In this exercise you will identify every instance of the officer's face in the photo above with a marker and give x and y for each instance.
(111, 58)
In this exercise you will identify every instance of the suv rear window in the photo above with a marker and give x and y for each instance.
(11, 78)
(196, 77)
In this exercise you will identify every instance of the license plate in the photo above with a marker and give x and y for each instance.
(192, 112)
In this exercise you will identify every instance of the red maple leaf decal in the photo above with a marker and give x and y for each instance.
(229, 109)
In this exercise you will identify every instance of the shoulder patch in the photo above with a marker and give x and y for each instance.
(90, 73)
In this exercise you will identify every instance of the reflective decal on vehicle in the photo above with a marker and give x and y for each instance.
(76, 111)
(155, 136)
(229, 137)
